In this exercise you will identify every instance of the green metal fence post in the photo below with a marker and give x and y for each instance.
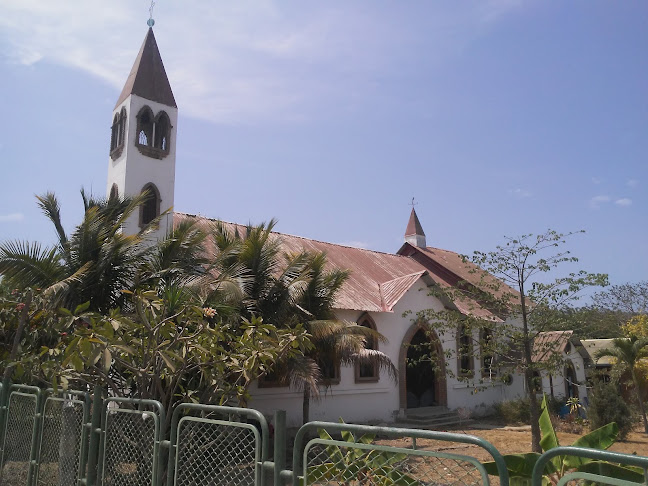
(279, 445)
(95, 428)
(4, 398)
(33, 456)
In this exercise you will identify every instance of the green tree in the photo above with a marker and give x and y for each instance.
(289, 289)
(628, 354)
(93, 264)
(510, 294)
(629, 298)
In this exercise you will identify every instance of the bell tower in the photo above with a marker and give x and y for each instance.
(143, 138)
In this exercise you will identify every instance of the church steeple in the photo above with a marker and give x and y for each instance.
(148, 77)
(143, 139)
(414, 234)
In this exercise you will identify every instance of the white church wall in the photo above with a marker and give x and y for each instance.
(379, 402)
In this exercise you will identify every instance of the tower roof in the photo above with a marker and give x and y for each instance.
(148, 78)
(414, 226)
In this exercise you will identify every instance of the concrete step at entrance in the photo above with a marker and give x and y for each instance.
(431, 418)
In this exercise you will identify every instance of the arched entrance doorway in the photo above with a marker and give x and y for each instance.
(571, 386)
(422, 380)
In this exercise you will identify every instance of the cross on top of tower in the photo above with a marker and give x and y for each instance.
(151, 22)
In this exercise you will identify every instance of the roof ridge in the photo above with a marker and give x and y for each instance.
(300, 237)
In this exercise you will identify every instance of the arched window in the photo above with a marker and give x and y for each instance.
(464, 352)
(145, 127)
(150, 208)
(114, 133)
(486, 344)
(367, 373)
(153, 136)
(121, 133)
(161, 132)
(114, 192)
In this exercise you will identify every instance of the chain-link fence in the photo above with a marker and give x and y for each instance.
(130, 448)
(63, 440)
(347, 454)
(53, 439)
(217, 446)
(20, 434)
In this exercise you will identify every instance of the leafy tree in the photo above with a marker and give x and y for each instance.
(93, 264)
(628, 353)
(607, 405)
(588, 322)
(628, 298)
(188, 355)
(637, 326)
(289, 289)
(512, 284)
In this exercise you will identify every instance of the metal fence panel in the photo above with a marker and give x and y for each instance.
(131, 444)
(605, 472)
(20, 433)
(63, 438)
(216, 452)
(228, 450)
(358, 459)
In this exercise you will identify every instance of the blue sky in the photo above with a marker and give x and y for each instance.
(500, 117)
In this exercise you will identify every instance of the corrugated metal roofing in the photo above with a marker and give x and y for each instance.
(377, 280)
(592, 346)
(549, 343)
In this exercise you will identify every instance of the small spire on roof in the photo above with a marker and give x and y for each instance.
(414, 234)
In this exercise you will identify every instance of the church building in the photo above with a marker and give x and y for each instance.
(383, 291)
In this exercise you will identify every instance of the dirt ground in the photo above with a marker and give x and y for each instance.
(510, 440)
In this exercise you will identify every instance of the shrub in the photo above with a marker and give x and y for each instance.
(514, 411)
(607, 405)
(518, 411)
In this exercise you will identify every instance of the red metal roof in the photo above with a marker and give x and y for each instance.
(377, 280)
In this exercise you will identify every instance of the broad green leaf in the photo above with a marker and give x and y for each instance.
(549, 439)
(601, 438)
(334, 452)
(520, 465)
(81, 308)
(603, 468)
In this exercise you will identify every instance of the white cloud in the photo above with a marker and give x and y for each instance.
(519, 193)
(596, 180)
(243, 61)
(632, 183)
(624, 201)
(597, 201)
(11, 217)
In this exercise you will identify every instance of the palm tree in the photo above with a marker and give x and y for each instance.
(97, 261)
(335, 344)
(628, 353)
(287, 289)
(93, 264)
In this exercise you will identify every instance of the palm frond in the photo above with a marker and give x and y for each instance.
(24, 264)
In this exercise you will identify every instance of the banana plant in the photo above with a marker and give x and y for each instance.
(352, 465)
(520, 466)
